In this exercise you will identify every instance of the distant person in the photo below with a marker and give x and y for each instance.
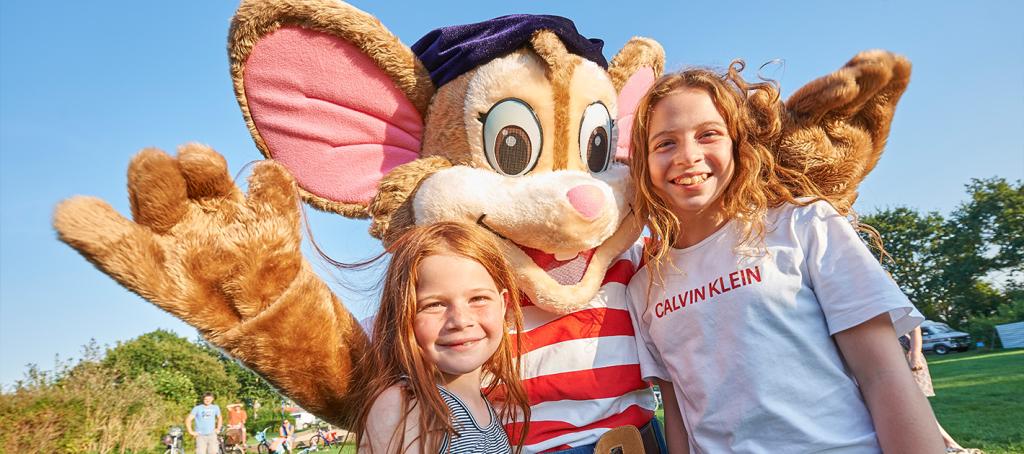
(287, 432)
(208, 424)
(236, 424)
(912, 343)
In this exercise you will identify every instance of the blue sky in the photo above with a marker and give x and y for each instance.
(84, 86)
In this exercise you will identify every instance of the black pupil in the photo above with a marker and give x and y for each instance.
(512, 149)
(597, 150)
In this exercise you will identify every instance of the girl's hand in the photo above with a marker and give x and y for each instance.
(917, 361)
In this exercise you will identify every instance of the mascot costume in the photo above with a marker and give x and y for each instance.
(517, 124)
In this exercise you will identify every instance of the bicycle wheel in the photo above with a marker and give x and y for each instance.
(263, 448)
(318, 442)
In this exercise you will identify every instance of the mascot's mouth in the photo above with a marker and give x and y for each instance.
(567, 271)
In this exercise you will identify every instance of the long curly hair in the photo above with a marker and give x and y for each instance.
(397, 359)
(754, 116)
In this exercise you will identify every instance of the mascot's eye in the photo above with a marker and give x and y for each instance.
(512, 138)
(596, 137)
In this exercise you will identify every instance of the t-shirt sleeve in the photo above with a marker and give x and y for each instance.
(651, 364)
(847, 280)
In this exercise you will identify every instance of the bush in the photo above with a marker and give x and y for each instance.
(984, 328)
(86, 408)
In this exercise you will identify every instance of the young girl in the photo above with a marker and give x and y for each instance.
(759, 313)
(442, 331)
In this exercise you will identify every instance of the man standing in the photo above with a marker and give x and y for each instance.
(208, 422)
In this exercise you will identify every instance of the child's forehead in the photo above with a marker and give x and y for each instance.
(684, 106)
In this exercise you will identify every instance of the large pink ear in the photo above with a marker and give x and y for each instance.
(629, 97)
(329, 93)
(633, 70)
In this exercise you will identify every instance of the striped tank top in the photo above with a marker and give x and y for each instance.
(470, 437)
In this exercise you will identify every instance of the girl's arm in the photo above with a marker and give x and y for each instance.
(382, 434)
(902, 417)
(675, 431)
(916, 342)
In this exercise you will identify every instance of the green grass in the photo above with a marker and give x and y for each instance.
(979, 399)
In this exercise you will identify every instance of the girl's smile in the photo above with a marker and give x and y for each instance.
(460, 314)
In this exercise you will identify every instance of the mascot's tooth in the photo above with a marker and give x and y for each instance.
(561, 257)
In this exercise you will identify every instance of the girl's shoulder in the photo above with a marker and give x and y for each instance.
(807, 210)
(386, 415)
(390, 399)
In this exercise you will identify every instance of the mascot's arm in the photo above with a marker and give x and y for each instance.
(229, 265)
(835, 127)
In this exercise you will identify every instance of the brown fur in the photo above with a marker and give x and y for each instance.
(560, 67)
(229, 265)
(638, 53)
(446, 135)
(256, 19)
(836, 126)
(392, 208)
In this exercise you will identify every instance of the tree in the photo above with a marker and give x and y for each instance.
(251, 387)
(984, 248)
(180, 368)
(911, 241)
(964, 266)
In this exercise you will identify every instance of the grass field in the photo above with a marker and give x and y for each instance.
(979, 399)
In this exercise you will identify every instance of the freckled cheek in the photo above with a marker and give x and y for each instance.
(426, 330)
(492, 319)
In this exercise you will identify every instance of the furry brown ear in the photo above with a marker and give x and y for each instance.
(638, 53)
(633, 70)
(836, 126)
(330, 93)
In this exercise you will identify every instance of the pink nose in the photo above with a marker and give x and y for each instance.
(587, 199)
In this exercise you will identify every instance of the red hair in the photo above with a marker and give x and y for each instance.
(396, 358)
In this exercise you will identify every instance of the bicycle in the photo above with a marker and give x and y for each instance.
(230, 448)
(264, 446)
(173, 441)
(322, 440)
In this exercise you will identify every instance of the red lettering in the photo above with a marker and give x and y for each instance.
(675, 303)
(734, 279)
(713, 289)
(721, 281)
(753, 274)
(658, 307)
(699, 293)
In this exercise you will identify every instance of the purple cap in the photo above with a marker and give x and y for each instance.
(448, 52)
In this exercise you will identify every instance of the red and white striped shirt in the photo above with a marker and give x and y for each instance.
(581, 371)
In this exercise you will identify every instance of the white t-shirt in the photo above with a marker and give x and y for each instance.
(746, 337)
